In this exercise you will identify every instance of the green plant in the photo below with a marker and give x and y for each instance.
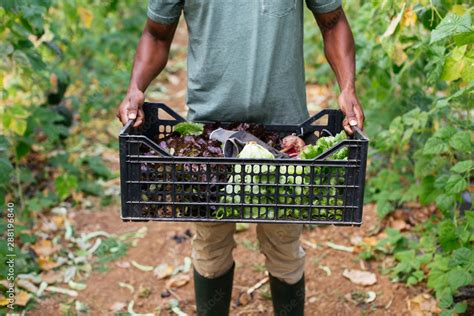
(415, 77)
(61, 76)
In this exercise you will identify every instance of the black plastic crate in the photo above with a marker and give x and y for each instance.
(162, 187)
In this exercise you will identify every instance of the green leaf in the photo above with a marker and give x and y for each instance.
(65, 184)
(437, 279)
(18, 126)
(435, 145)
(3, 143)
(458, 277)
(451, 24)
(189, 128)
(447, 235)
(446, 132)
(462, 166)
(461, 141)
(454, 64)
(467, 73)
(464, 38)
(96, 164)
(445, 298)
(445, 202)
(460, 308)
(456, 184)
(5, 169)
(407, 255)
(463, 257)
(427, 192)
(6, 49)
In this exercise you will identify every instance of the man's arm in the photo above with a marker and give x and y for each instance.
(340, 52)
(150, 59)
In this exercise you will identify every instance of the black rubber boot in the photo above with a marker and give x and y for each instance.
(288, 299)
(213, 295)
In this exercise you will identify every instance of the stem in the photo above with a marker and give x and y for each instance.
(20, 189)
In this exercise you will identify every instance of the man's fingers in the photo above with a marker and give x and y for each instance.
(132, 109)
(351, 116)
(135, 105)
(348, 109)
(360, 116)
(347, 126)
(123, 115)
(140, 118)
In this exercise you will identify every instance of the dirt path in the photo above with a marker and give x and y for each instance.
(325, 293)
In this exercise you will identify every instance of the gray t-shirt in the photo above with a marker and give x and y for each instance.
(245, 57)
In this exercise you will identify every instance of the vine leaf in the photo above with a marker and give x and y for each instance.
(452, 24)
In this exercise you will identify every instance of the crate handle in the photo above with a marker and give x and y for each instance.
(359, 133)
(126, 127)
(334, 122)
(318, 115)
(165, 108)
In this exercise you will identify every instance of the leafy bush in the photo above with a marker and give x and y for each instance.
(63, 66)
(62, 74)
(415, 77)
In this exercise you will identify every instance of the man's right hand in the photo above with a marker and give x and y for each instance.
(131, 108)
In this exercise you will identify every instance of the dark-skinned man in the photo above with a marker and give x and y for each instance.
(245, 63)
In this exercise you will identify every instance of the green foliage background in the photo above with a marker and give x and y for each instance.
(64, 67)
(415, 79)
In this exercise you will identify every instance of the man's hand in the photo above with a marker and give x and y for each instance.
(350, 106)
(131, 108)
(150, 59)
(340, 52)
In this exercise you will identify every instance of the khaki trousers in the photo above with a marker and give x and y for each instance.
(284, 257)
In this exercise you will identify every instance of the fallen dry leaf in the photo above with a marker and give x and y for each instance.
(360, 297)
(44, 248)
(118, 307)
(61, 290)
(77, 286)
(127, 286)
(423, 305)
(22, 298)
(4, 301)
(370, 241)
(399, 224)
(163, 271)
(355, 240)
(47, 264)
(364, 278)
(309, 243)
(141, 266)
(243, 299)
(178, 281)
(339, 247)
(325, 269)
(144, 292)
(27, 285)
(123, 264)
(51, 277)
(58, 221)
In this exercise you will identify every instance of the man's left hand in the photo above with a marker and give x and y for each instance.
(350, 106)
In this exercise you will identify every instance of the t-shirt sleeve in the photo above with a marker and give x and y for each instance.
(323, 6)
(165, 11)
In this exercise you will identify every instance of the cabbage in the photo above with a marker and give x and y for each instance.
(253, 150)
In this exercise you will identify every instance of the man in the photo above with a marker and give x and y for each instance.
(245, 63)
